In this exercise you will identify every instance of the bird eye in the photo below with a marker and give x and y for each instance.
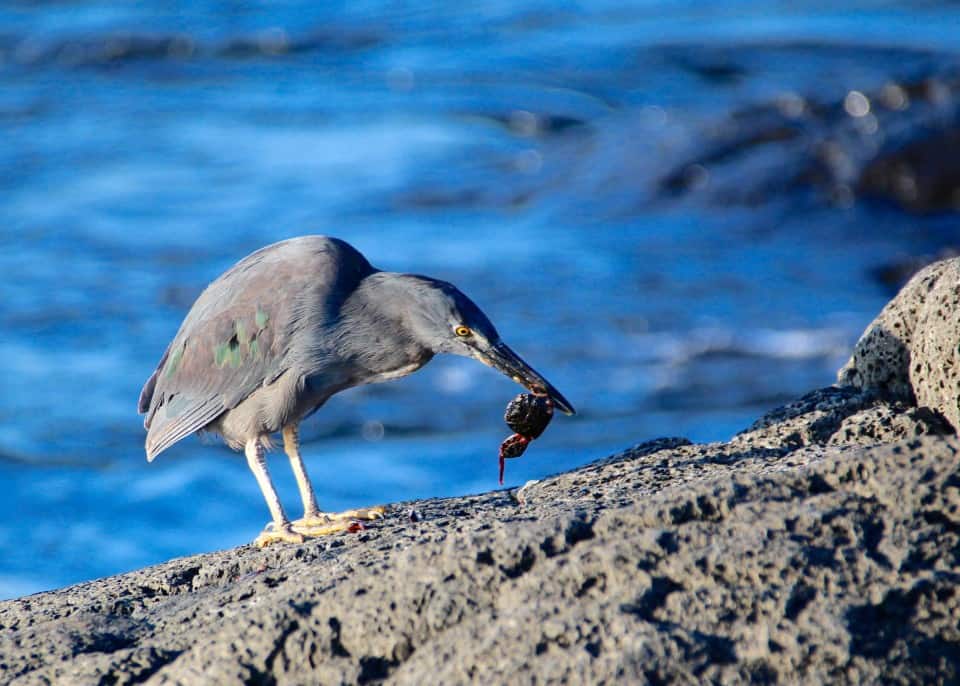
(462, 331)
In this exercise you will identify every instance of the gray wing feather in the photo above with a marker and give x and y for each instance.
(244, 331)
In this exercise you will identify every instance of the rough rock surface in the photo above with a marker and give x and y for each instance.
(804, 551)
(910, 351)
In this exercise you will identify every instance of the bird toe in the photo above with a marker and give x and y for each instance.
(274, 534)
(319, 519)
(371, 513)
(322, 527)
(324, 523)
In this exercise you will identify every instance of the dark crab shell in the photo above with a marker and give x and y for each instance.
(528, 414)
(513, 446)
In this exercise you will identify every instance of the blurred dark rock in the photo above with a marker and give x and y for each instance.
(122, 47)
(922, 176)
(898, 143)
(277, 42)
(894, 274)
(687, 177)
(110, 49)
(527, 124)
(716, 70)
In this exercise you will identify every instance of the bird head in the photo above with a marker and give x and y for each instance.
(447, 321)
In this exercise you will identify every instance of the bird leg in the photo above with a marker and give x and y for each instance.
(280, 528)
(314, 522)
(291, 446)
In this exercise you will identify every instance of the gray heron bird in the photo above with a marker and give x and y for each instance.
(269, 341)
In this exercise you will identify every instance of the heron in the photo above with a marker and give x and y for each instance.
(268, 342)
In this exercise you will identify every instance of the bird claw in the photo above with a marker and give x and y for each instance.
(365, 513)
(272, 534)
(325, 529)
(326, 518)
(325, 523)
(318, 524)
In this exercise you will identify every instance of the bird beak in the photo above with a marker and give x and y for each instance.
(504, 360)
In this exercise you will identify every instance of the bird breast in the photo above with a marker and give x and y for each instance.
(398, 373)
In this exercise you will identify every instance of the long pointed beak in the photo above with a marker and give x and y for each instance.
(504, 360)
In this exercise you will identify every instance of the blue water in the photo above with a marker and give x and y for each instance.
(513, 148)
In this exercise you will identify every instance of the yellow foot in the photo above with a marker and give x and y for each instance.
(273, 534)
(324, 523)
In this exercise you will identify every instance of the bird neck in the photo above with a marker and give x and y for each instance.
(374, 329)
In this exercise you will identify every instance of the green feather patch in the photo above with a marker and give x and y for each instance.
(228, 353)
(174, 362)
(262, 318)
(241, 331)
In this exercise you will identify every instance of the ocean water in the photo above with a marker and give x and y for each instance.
(513, 148)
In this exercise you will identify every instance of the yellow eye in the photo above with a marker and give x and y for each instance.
(462, 331)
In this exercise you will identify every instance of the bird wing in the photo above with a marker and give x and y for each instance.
(242, 332)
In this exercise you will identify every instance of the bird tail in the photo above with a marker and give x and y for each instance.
(164, 430)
